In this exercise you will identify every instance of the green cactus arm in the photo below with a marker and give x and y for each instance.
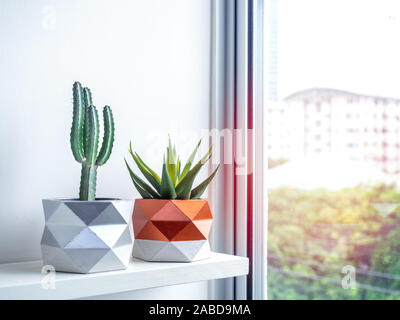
(167, 188)
(93, 136)
(87, 101)
(87, 191)
(78, 119)
(189, 162)
(87, 97)
(199, 190)
(108, 138)
(143, 185)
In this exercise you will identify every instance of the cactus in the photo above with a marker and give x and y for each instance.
(85, 139)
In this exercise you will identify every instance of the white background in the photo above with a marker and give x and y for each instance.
(348, 45)
(149, 60)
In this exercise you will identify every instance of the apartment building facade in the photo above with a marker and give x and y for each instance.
(320, 120)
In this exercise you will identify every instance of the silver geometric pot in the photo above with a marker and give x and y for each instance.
(87, 236)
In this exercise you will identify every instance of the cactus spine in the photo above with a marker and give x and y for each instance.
(85, 139)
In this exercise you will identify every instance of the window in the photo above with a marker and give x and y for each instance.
(333, 196)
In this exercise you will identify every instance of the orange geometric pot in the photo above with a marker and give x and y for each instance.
(171, 230)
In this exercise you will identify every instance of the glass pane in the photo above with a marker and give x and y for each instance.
(332, 115)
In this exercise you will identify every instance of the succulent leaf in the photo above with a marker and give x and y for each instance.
(155, 175)
(185, 193)
(188, 179)
(171, 165)
(178, 168)
(153, 181)
(143, 193)
(143, 185)
(167, 188)
(189, 162)
(199, 190)
(174, 185)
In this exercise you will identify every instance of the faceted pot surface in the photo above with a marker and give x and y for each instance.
(171, 230)
(87, 236)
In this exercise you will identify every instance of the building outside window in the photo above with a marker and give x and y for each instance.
(332, 116)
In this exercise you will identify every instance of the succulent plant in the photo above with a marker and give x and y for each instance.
(175, 182)
(85, 139)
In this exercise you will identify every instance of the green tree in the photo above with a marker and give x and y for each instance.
(313, 234)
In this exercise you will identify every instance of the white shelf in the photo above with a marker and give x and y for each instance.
(23, 280)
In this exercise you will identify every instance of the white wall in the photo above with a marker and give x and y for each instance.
(149, 60)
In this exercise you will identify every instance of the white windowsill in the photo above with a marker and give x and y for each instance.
(23, 280)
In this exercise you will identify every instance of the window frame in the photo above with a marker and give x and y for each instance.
(239, 201)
